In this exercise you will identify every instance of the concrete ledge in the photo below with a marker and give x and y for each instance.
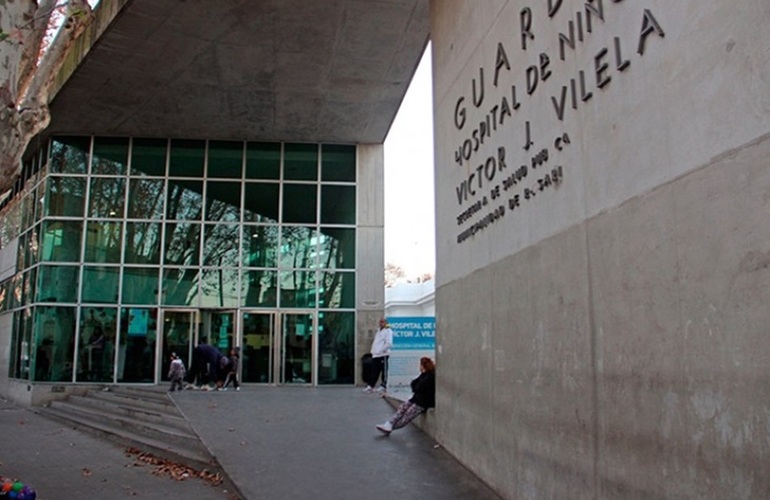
(425, 422)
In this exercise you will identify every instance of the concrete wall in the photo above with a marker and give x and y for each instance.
(370, 251)
(605, 337)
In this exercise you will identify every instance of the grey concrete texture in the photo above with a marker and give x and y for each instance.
(623, 358)
(321, 443)
(273, 443)
(270, 70)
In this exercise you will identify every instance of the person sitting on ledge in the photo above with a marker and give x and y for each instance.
(423, 397)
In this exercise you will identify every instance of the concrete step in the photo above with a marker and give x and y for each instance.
(164, 434)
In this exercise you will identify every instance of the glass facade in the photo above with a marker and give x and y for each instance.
(117, 235)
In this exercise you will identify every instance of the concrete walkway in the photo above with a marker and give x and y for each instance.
(273, 442)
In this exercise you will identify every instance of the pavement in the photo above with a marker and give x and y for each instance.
(272, 442)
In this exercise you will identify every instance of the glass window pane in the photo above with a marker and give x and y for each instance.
(338, 163)
(338, 290)
(145, 198)
(219, 287)
(136, 348)
(110, 156)
(299, 202)
(338, 204)
(103, 242)
(298, 247)
(263, 160)
(33, 246)
(337, 248)
(220, 245)
(4, 296)
(182, 247)
(148, 157)
(180, 286)
(101, 284)
(58, 283)
(107, 197)
(223, 201)
(65, 196)
(300, 162)
(69, 155)
(140, 285)
(142, 243)
(186, 158)
(61, 241)
(298, 288)
(55, 340)
(260, 246)
(336, 340)
(28, 286)
(225, 159)
(258, 288)
(260, 202)
(185, 200)
(96, 347)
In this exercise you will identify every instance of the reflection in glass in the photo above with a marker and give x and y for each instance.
(178, 331)
(260, 202)
(338, 204)
(185, 200)
(338, 163)
(219, 287)
(225, 159)
(263, 160)
(256, 355)
(103, 241)
(148, 157)
(100, 284)
(96, 345)
(142, 243)
(33, 246)
(186, 158)
(61, 241)
(298, 247)
(260, 246)
(258, 288)
(58, 283)
(298, 288)
(300, 162)
(180, 286)
(182, 246)
(136, 348)
(140, 285)
(69, 155)
(220, 245)
(22, 359)
(54, 343)
(297, 348)
(145, 198)
(337, 290)
(65, 196)
(110, 156)
(336, 334)
(107, 197)
(223, 201)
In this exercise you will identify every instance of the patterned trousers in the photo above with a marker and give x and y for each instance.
(405, 413)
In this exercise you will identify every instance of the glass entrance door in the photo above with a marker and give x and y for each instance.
(279, 347)
(179, 333)
(296, 359)
(218, 327)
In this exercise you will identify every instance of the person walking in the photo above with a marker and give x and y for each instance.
(176, 373)
(232, 375)
(383, 341)
(423, 397)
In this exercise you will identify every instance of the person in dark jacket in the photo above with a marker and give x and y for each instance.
(423, 397)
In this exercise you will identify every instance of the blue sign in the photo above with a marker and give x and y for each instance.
(413, 333)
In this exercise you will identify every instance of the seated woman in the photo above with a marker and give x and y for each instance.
(423, 397)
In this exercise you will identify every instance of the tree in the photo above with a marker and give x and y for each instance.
(393, 273)
(29, 63)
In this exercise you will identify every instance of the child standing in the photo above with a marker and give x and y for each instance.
(232, 374)
(176, 372)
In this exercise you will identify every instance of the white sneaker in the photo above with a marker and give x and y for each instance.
(237, 388)
(385, 428)
(381, 390)
(368, 389)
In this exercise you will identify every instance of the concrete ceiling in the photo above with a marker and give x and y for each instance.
(299, 70)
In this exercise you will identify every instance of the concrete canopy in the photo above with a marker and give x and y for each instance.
(298, 70)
